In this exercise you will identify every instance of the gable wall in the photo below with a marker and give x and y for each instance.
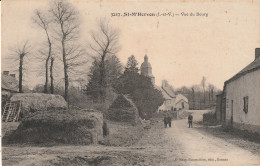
(247, 85)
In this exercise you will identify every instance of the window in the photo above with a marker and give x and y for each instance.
(182, 104)
(226, 103)
(245, 104)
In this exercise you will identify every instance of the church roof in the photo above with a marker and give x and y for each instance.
(146, 68)
(146, 64)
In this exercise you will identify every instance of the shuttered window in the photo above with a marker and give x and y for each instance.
(245, 104)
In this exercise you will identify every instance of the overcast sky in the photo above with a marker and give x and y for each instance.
(180, 49)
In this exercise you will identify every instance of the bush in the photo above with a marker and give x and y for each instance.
(123, 110)
(143, 93)
(209, 117)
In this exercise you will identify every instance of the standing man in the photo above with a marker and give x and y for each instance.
(190, 117)
(169, 119)
(165, 121)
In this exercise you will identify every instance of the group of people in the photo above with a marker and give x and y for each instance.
(168, 120)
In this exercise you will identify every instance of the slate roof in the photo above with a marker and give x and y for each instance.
(169, 91)
(180, 97)
(165, 95)
(255, 65)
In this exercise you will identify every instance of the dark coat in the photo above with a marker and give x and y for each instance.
(190, 118)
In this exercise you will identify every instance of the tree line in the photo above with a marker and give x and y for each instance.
(201, 96)
(61, 51)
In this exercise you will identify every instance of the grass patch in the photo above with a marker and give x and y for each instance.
(123, 134)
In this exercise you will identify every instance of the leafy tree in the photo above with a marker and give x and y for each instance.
(113, 72)
(131, 64)
(142, 92)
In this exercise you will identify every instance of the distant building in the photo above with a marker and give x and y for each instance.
(171, 101)
(9, 83)
(146, 69)
(240, 100)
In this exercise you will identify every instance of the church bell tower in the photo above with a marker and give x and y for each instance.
(146, 69)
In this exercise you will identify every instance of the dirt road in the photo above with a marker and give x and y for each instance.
(203, 149)
(175, 146)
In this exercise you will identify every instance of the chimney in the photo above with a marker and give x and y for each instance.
(6, 73)
(257, 53)
(12, 75)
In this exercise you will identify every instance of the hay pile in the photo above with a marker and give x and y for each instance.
(123, 110)
(54, 127)
(33, 102)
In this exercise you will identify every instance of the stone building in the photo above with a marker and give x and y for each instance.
(240, 106)
(171, 100)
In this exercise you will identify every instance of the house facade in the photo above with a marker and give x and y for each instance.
(240, 100)
(173, 103)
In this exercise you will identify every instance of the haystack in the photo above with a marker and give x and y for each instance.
(59, 127)
(32, 102)
(123, 110)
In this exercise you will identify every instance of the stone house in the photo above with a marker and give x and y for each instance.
(172, 102)
(240, 106)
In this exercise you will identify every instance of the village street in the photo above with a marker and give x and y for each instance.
(207, 149)
(177, 146)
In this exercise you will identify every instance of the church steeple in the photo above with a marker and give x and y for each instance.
(145, 58)
(146, 69)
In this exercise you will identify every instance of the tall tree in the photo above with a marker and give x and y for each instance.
(43, 22)
(113, 72)
(131, 64)
(104, 42)
(19, 54)
(203, 84)
(193, 97)
(51, 76)
(65, 16)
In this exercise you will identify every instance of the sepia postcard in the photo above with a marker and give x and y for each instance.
(140, 82)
